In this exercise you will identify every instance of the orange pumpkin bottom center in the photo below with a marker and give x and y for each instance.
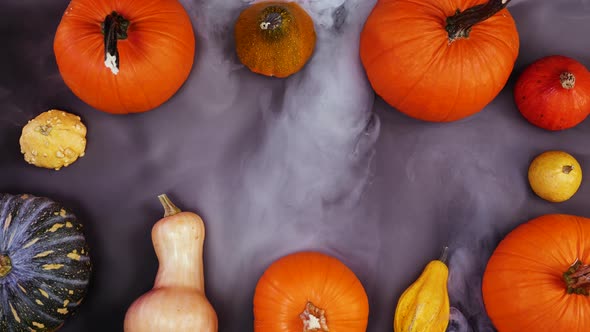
(314, 319)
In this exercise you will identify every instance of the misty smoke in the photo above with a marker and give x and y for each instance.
(458, 322)
(466, 268)
(473, 239)
(305, 173)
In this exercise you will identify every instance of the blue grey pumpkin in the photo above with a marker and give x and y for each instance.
(44, 264)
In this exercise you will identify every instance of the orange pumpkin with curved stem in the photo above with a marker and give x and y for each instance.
(124, 56)
(439, 60)
(310, 292)
(538, 278)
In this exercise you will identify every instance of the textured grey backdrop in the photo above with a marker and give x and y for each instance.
(275, 166)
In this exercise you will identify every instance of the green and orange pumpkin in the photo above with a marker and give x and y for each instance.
(44, 264)
(274, 38)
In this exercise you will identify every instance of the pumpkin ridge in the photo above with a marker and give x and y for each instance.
(343, 293)
(388, 50)
(29, 303)
(66, 239)
(69, 281)
(154, 16)
(140, 51)
(30, 217)
(486, 34)
(537, 317)
(277, 290)
(5, 211)
(435, 59)
(421, 4)
(523, 257)
(179, 41)
(556, 244)
(450, 110)
(582, 248)
(139, 87)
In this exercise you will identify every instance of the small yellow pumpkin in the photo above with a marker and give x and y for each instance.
(424, 306)
(274, 38)
(54, 139)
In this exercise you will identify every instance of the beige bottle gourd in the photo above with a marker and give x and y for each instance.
(177, 301)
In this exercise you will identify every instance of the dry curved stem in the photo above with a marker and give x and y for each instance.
(459, 25)
(169, 208)
(577, 278)
(445, 255)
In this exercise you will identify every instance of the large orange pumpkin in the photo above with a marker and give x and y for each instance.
(124, 56)
(310, 292)
(538, 278)
(439, 60)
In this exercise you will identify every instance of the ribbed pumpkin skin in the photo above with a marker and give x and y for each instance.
(50, 264)
(155, 59)
(287, 284)
(523, 286)
(410, 63)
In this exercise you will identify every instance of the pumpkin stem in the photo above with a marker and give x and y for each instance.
(445, 255)
(5, 266)
(169, 208)
(568, 80)
(577, 279)
(314, 319)
(113, 28)
(459, 25)
(271, 21)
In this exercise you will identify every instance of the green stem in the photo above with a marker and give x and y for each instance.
(577, 279)
(114, 28)
(5, 266)
(169, 208)
(459, 25)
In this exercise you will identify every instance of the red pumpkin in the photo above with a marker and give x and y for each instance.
(140, 61)
(553, 93)
(538, 278)
(439, 60)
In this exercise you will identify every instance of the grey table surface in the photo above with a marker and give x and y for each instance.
(312, 162)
